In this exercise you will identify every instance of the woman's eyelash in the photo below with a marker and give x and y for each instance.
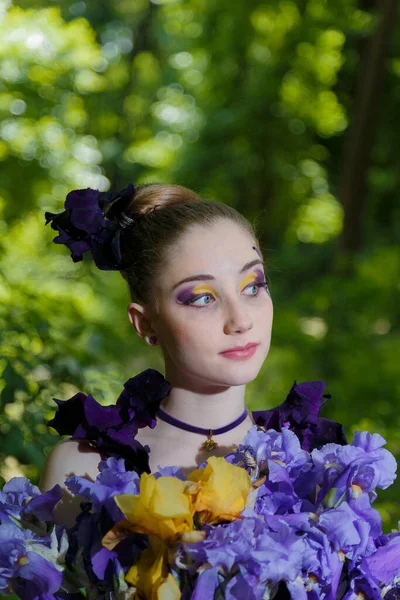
(258, 284)
(191, 300)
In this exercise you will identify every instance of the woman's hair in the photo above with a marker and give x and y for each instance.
(161, 214)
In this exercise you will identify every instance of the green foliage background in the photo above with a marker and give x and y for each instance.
(250, 103)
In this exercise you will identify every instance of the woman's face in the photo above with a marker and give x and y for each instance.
(211, 297)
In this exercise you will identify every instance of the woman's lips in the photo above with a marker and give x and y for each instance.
(240, 352)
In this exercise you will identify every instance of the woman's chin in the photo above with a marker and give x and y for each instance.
(238, 373)
(210, 376)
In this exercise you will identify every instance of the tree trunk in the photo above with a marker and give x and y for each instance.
(361, 134)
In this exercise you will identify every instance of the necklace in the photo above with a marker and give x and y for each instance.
(209, 444)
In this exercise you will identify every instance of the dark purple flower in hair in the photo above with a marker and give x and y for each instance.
(90, 223)
(300, 412)
(86, 213)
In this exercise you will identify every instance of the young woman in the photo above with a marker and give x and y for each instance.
(198, 291)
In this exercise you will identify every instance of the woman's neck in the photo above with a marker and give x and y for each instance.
(209, 407)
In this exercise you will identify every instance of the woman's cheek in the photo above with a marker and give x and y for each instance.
(180, 334)
(191, 335)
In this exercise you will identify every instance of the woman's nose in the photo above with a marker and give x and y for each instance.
(237, 320)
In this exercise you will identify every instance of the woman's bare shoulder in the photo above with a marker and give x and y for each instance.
(67, 458)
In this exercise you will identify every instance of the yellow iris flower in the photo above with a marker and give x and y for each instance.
(222, 490)
(150, 575)
(162, 508)
(165, 509)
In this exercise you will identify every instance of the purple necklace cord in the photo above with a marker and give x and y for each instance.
(161, 414)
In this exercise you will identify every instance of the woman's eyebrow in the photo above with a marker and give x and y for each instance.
(208, 277)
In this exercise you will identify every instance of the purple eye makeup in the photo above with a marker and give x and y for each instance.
(190, 295)
(255, 279)
(193, 293)
(260, 277)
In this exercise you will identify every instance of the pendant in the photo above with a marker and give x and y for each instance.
(209, 444)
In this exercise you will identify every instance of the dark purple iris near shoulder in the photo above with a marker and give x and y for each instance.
(300, 412)
(112, 429)
(141, 397)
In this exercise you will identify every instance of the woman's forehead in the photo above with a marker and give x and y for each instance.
(223, 246)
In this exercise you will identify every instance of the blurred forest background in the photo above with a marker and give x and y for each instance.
(285, 109)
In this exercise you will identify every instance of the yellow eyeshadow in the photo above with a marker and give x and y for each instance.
(249, 279)
(202, 289)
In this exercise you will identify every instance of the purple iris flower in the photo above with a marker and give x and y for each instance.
(300, 412)
(87, 224)
(281, 446)
(112, 429)
(99, 567)
(86, 213)
(24, 568)
(383, 461)
(358, 467)
(14, 496)
(23, 501)
(206, 584)
(262, 450)
(113, 479)
(321, 566)
(346, 531)
(288, 468)
(170, 472)
(249, 556)
(82, 417)
(359, 587)
(382, 568)
(81, 224)
(276, 501)
(141, 398)
(362, 508)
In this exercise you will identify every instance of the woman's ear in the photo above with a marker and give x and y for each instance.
(140, 318)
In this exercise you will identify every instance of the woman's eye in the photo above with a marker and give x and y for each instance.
(254, 288)
(202, 300)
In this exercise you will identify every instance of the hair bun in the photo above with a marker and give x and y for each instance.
(149, 197)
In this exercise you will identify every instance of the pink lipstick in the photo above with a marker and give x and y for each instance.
(240, 352)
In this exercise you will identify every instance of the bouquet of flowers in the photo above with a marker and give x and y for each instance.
(280, 517)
